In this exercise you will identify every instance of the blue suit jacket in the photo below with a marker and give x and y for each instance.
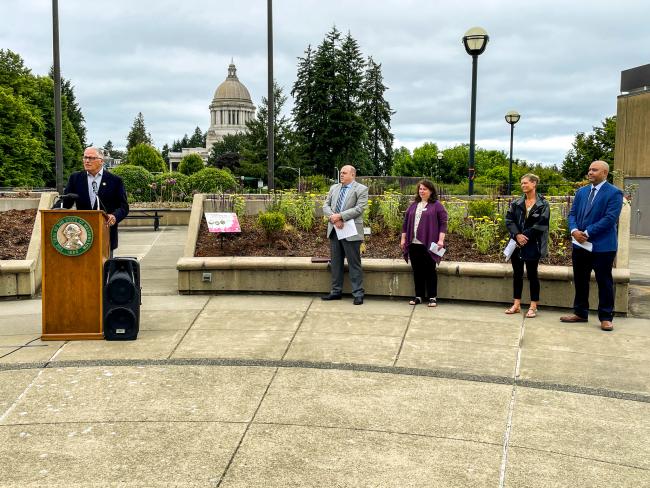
(112, 196)
(600, 219)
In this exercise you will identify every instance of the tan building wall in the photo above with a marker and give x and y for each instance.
(633, 134)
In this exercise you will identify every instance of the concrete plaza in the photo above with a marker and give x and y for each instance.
(290, 391)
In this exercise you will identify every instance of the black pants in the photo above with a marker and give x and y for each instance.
(518, 276)
(424, 271)
(601, 262)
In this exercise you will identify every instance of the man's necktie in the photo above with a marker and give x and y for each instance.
(93, 197)
(592, 194)
(341, 199)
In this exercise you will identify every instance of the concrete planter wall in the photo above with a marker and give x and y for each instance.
(22, 277)
(170, 216)
(489, 282)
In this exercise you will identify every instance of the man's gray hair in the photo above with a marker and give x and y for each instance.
(101, 152)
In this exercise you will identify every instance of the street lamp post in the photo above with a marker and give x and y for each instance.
(439, 156)
(475, 40)
(271, 118)
(293, 169)
(512, 117)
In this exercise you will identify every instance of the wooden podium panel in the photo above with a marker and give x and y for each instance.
(73, 259)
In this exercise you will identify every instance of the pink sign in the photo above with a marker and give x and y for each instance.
(222, 222)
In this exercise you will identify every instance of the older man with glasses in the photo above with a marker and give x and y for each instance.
(98, 189)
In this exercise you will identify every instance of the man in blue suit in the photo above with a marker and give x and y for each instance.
(99, 190)
(593, 222)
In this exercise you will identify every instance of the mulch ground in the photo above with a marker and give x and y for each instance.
(314, 243)
(15, 232)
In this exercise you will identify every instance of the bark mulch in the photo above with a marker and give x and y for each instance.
(15, 232)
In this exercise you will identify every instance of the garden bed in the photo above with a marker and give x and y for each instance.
(296, 243)
(15, 232)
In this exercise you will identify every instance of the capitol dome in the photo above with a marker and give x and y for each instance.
(230, 109)
(232, 88)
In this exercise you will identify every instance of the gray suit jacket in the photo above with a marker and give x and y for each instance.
(356, 201)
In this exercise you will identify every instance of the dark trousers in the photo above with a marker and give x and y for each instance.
(601, 263)
(518, 276)
(424, 271)
(350, 250)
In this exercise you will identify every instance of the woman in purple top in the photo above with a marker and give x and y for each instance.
(425, 222)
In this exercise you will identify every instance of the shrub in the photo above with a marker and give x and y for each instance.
(271, 223)
(389, 209)
(211, 180)
(455, 216)
(299, 209)
(482, 208)
(137, 181)
(170, 187)
(146, 156)
(190, 164)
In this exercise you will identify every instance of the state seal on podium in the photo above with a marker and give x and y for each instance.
(72, 236)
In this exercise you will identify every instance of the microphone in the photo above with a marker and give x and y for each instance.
(64, 198)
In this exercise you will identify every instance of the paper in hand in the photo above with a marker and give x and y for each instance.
(437, 250)
(585, 245)
(349, 229)
(509, 249)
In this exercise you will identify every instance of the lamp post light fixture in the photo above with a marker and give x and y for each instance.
(475, 40)
(297, 170)
(439, 156)
(512, 117)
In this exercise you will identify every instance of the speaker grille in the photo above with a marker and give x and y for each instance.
(121, 320)
(120, 289)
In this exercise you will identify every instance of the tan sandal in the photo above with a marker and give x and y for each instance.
(513, 310)
(532, 313)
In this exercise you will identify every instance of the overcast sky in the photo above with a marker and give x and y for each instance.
(558, 63)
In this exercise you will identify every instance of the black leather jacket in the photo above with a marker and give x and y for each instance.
(535, 227)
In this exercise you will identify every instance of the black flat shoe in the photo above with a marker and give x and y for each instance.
(358, 301)
(331, 296)
(415, 301)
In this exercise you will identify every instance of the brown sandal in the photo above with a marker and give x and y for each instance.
(513, 310)
(532, 313)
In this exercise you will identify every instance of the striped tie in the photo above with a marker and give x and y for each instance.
(592, 194)
(341, 199)
(93, 197)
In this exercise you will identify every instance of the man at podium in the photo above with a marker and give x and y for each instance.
(98, 189)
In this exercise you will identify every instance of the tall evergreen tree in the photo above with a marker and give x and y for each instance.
(377, 113)
(197, 139)
(332, 103)
(72, 108)
(138, 133)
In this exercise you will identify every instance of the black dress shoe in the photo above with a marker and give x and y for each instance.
(358, 301)
(331, 296)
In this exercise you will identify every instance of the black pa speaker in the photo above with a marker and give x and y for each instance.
(122, 298)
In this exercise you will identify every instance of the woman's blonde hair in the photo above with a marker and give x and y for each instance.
(531, 177)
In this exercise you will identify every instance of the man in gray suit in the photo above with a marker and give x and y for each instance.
(346, 201)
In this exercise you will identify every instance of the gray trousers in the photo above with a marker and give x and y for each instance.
(351, 250)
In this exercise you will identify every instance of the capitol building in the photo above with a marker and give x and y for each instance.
(230, 109)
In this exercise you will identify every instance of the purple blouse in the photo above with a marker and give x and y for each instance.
(432, 223)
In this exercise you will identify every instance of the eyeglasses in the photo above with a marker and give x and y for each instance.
(91, 158)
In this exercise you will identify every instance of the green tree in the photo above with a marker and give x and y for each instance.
(23, 153)
(190, 164)
(425, 160)
(71, 107)
(403, 163)
(138, 133)
(254, 148)
(226, 154)
(146, 156)
(197, 139)
(587, 148)
(377, 113)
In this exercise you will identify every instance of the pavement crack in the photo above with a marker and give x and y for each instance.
(295, 333)
(188, 329)
(401, 344)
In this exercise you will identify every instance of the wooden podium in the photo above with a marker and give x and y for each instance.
(74, 246)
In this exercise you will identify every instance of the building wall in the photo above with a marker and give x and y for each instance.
(633, 135)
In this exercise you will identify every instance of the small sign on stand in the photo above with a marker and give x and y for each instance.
(222, 223)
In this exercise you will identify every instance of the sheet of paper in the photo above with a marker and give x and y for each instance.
(435, 249)
(585, 245)
(509, 249)
(349, 229)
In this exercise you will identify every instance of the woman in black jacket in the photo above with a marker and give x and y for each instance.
(527, 221)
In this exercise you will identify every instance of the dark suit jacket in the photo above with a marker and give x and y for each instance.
(599, 219)
(112, 197)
